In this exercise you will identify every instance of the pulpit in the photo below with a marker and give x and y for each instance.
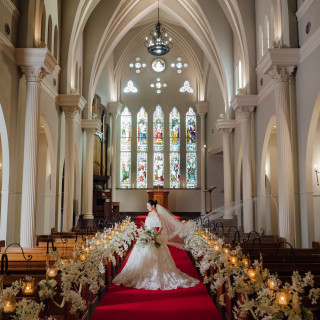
(159, 195)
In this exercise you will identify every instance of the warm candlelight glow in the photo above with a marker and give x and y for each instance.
(216, 247)
(92, 246)
(83, 256)
(252, 273)
(110, 237)
(28, 287)
(233, 259)
(87, 249)
(209, 242)
(9, 304)
(196, 233)
(105, 241)
(65, 259)
(283, 297)
(98, 242)
(246, 262)
(226, 250)
(272, 283)
(52, 271)
(215, 241)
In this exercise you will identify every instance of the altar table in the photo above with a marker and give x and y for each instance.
(142, 218)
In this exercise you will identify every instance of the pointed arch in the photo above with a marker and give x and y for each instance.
(49, 36)
(56, 42)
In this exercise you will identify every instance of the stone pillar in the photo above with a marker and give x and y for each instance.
(90, 127)
(281, 76)
(244, 106)
(71, 105)
(226, 127)
(202, 109)
(114, 109)
(35, 64)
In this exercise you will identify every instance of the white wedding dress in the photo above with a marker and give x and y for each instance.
(153, 268)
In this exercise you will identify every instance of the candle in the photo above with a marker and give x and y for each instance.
(246, 262)
(105, 241)
(110, 237)
(226, 250)
(52, 271)
(216, 247)
(83, 256)
(92, 246)
(87, 249)
(98, 242)
(233, 259)
(272, 283)
(28, 287)
(65, 259)
(283, 297)
(252, 273)
(9, 304)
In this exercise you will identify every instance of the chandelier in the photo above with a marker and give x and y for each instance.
(157, 42)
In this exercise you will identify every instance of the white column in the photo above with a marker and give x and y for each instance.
(226, 127)
(281, 77)
(114, 109)
(35, 63)
(202, 109)
(71, 105)
(90, 127)
(245, 123)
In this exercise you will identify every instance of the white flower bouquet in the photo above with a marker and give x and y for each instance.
(148, 237)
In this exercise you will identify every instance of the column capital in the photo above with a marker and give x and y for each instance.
(35, 63)
(244, 104)
(280, 57)
(115, 108)
(70, 101)
(225, 126)
(91, 126)
(281, 74)
(202, 108)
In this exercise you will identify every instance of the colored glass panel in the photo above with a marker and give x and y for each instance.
(174, 130)
(142, 164)
(125, 130)
(142, 130)
(125, 169)
(175, 170)
(158, 129)
(191, 130)
(191, 168)
(158, 169)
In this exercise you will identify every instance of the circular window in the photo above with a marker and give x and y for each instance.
(158, 65)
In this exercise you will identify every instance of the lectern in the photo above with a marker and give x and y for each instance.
(159, 195)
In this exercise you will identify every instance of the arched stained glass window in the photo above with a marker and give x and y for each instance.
(175, 170)
(158, 128)
(142, 148)
(191, 147)
(158, 169)
(125, 149)
(174, 130)
(142, 130)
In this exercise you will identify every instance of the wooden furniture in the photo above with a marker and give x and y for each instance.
(159, 195)
(101, 204)
(210, 190)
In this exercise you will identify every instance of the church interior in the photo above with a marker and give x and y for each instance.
(210, 107)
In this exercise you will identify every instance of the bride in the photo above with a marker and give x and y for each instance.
(152, 267)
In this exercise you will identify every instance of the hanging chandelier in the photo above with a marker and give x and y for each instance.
(157, 42)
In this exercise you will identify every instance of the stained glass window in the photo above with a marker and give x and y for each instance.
(142, 130)
(142, 166)
(158, 169)
(125, 130)
(125, 148)
(158, 129)
(191, 124)
(174, 130)
(125, 169)
(175, 170)
(191, 167)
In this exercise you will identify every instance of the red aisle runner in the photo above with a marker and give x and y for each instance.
(127, 303)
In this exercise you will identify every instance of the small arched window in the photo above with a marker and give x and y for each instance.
(43, 25)
(49, 42)
(267, 32)
(237, 80)
(76, 78)
(240, 75)
(260, 42)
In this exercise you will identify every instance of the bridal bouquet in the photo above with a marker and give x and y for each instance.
(148, 237)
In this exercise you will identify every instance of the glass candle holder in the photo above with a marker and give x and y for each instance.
(28, 287)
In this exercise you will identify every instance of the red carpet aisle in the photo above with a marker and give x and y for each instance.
(126, 303)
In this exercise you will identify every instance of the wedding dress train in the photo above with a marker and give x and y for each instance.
(153, 268)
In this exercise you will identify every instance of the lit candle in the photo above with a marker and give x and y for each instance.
(92, 246)
(65, 259)
(246, 262)
(52, 271)
(272, 283)
(252, 273)
(283, 297)
(226, 250)
(83, 256)
(216, 247)
(110, 237)
(233, 259)
(9, 304)
(87, 249)
(98, 242)
(28, 287)
(105, 241)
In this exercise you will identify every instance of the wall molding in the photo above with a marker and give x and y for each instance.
(266, 90)
(310, 45)
(7, 47)
(47, 87)
(303, 8)
(12, 9)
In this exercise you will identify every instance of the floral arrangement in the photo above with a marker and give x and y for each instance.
(147, 237)
(262, 294)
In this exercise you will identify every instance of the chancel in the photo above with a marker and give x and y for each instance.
(159, 159)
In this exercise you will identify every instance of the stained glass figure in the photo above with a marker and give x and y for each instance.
(125, 130)
(175, 170)
(142, 130)
(174, 119)
(125, 169)
(158, 65)
(142, 163)
(158, 129)
(191, 127)
(158, 169)
(191, 168)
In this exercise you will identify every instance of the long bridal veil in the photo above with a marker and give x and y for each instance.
(173, 231)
